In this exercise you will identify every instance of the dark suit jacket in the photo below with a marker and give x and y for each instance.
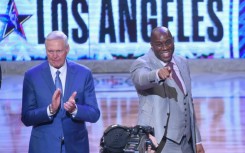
(38, 89)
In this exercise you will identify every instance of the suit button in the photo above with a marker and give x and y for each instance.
(168, 114)
(165, 127)
(62, 140)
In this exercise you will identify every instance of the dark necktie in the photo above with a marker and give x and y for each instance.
(58, 84)
(175, 77)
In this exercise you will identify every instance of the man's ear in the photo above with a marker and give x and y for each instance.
(68, 48)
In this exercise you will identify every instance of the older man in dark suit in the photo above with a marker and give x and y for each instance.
(58, 98)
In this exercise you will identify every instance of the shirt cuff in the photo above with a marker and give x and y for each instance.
(74, 113)
(199, 143)
(48, 112)
(157, 77)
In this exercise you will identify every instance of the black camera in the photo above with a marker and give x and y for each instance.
(123, 139)
(139, 139)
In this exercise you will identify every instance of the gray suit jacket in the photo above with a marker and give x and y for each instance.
(157, 99)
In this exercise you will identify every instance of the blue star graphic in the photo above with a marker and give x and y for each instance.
(13, 21)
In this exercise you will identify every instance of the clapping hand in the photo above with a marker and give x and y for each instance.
(70, 105)
(55, 100)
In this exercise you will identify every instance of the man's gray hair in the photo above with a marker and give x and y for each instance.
(56, 35)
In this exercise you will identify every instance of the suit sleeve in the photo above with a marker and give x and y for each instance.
(198, 135)
(31, 114)
(143, 76)
(89, 110)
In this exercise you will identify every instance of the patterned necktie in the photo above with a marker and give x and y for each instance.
(175, 77)
(58, 84)
(58, 81)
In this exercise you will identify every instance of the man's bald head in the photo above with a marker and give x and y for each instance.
(160, 31)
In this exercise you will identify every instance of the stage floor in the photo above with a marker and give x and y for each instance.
(219, 100)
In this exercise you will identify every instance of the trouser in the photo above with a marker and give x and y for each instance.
(184, 146)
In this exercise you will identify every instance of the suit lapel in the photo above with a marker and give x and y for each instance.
(182, 70)
(46, 74)
(156, 63)
(70, 75)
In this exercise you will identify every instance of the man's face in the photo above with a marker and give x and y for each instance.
(163, 45)
(56, 52)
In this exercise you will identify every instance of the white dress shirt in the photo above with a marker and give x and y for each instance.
(63, 72)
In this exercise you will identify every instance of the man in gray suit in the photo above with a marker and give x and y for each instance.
(163, 84)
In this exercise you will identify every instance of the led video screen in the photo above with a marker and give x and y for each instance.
(120, 29)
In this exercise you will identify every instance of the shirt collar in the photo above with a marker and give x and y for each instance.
(62, 69)
(172, 60)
